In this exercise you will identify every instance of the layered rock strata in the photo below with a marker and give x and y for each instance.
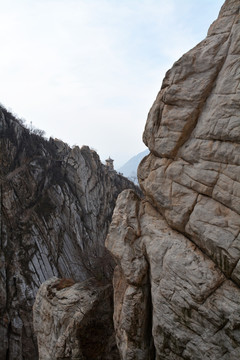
(177, 282)
(56, 206)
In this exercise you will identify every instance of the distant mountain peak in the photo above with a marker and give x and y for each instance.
(129, 169)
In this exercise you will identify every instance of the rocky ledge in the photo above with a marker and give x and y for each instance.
(74, 320)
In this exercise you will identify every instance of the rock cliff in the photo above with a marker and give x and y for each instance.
(56, 207)
(176, 286)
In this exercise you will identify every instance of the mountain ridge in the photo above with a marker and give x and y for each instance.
(129, 169)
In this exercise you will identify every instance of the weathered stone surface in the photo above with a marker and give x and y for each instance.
(182, 299)
(74, 321)
(56, 206)
(178, 249)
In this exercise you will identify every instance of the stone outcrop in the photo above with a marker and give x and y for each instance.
(56, 207)
(176, 286)
(74, 321)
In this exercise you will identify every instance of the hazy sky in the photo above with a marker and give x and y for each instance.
(88, 71)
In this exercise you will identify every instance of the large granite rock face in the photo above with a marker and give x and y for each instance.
(177, 282)
(56, 207)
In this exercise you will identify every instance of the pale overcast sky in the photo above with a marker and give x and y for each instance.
(88, 71)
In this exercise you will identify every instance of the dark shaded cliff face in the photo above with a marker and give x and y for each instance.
(56, 206)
